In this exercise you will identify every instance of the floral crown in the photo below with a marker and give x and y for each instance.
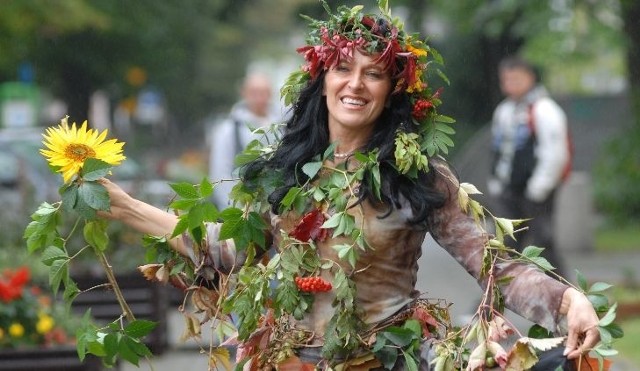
(408, 58)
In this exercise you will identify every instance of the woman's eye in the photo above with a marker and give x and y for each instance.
(342, 68)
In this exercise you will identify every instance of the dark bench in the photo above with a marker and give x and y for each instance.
(47, 359)
(148, 301)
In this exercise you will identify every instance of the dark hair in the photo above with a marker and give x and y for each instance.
(516, 62)
(307, 136)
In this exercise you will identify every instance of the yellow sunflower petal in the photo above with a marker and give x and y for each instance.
(68, 147)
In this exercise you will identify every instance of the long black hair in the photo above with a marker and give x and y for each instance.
(306, 136)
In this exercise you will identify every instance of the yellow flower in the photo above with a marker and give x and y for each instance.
(417, 51)
(68, 147)
(1, 333)
(417, 82)
(45, 324)
(16, 330)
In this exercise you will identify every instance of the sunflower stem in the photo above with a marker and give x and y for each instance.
(108, 269)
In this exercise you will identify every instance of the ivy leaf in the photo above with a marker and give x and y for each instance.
(57, 273)
(232, 219)
(53, 253)
(532, 251)
(139, 328)
(185, 190)
(311, 168)
(94, 169)
(206, 188)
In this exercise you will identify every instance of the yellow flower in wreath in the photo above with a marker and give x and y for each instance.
(68, 148)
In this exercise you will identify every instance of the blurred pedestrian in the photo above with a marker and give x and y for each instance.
(230, 136)
(531, 155)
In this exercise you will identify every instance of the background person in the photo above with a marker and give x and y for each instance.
(531, 155)
(230, 136)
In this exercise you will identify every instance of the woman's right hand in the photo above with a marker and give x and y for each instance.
(119, 199)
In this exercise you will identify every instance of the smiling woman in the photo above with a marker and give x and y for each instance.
(341, 204)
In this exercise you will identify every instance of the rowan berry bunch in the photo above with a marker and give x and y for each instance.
(312, 284)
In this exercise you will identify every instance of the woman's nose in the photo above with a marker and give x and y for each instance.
(355, 82)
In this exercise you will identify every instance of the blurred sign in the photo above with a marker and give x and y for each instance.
(18, 105)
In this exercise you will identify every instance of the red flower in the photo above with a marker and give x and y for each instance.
(12, 284)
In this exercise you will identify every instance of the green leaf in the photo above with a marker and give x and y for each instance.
(185, 190)
(53, 253)
(206, 188)
(582, 281)
(232, 223)
(311, 168)
(599, 301)
(410, 361)
(94, 169)
(609, 317)
(69, 196)
(290, 197)
(532, 251)
(57, 273)
(333, 221)
(400, 337)
(95, 233)
(139, 328)
(183, 204)
(95, 195)
(599, 287)
(181, 227)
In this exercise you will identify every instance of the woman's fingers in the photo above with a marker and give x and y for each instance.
(575, 348)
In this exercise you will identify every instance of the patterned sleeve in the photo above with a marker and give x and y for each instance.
(531, 293)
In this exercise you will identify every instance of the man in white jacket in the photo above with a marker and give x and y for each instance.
(531, 154)
(230, 136)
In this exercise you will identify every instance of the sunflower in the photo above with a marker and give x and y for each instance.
(69, 147)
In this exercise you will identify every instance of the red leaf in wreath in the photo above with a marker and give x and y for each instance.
(309, 227)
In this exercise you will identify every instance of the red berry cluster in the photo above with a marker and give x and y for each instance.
(420, 108)
(312, 284)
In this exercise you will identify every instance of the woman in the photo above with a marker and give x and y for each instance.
(352, 189)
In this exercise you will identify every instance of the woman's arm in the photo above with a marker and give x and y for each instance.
(141, 216)
(530, 293)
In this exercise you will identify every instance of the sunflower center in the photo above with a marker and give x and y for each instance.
(79, 152)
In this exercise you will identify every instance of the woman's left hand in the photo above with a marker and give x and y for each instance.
(582, 321)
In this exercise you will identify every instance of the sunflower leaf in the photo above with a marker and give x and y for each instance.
(94, 169)
(95, 195)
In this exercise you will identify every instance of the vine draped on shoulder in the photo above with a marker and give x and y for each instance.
(387, 272)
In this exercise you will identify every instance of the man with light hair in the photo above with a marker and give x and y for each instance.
(230, 136)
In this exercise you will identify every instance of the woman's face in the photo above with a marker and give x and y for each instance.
(356, 92)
